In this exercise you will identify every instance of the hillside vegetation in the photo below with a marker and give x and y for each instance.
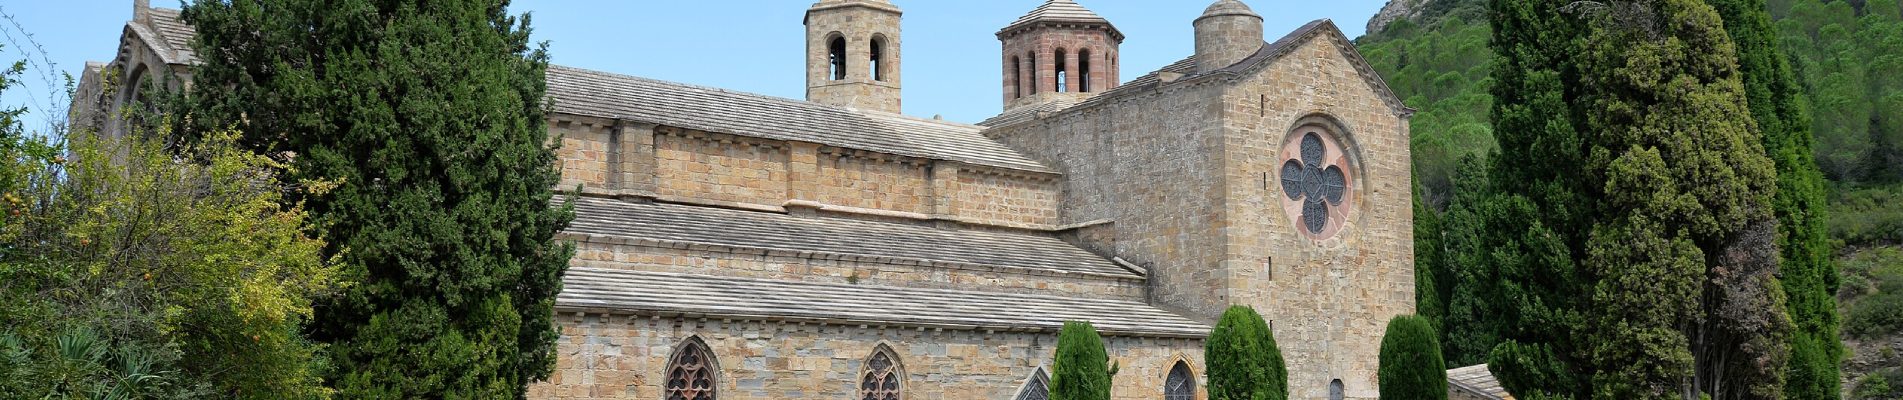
(1845, 57)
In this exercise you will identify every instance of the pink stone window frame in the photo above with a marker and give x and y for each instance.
(1333, 154)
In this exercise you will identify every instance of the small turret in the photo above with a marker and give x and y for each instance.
(1227, 32)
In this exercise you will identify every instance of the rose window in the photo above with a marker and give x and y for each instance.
(1315, 183)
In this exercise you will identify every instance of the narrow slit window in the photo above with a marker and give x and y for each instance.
(1061, 78)
(1033, 84)
(1083, 70)
(836, 56)
(878, 59)
(1017, 77)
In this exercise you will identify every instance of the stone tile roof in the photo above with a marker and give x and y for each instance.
(684, 295)
(1059, 11)
(1477, 380)
(1027, 113)
(605, 95)
(174, 38)
(1269, 53)
(170, 24)
(836, 236)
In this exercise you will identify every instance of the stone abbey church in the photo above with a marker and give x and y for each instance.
(740, 246)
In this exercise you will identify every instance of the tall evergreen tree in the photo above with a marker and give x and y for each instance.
(1243, 360)
(1776, 103)
(428, 118)
(1411, 365)
(1686, 301)
(1081, 371)
(1429, 263)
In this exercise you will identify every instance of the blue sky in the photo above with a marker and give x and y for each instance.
(747, 45)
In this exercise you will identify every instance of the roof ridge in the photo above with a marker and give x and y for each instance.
(761, 96)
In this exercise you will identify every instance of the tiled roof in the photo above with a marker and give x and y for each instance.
(685, 295)
(774, 231)
(600, 94)
(1059, 11)
(1026, 113)
(1479, 381)
(1269, 53)
(174, 37)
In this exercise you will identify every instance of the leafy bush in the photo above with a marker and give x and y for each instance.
(132, 272)
(1863, 216)
(1876, 387)
(1243, 360)
(1873, 292)
(1081, 371)
(1411, 365)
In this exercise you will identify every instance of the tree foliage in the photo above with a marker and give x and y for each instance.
(429, 117)
(128, 273)
(1411, 365)
(1081, 370)
(1807, 275)
(1243, 360)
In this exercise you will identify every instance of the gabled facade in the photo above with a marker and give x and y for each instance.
(739, 246)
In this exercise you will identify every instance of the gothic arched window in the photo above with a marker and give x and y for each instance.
(1335, 390)
(692, 372)
(836, 57)
(1037, 387)
(1180, 384)
(883, 378)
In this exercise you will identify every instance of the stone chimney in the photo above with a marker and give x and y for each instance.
(1227, 32)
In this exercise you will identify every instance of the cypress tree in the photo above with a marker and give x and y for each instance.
(427, 117)
(1428, 262)
(1683, 246)
(1081, 371)
(1776, 103)
(1411, 365)
(1243, 360)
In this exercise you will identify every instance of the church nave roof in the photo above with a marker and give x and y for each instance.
(685, 295)
(605, 95)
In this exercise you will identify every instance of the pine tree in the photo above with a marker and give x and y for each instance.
(1776, 103)
(1683, 246)
(1081, 371)
(1411, 365)
(1243, 362)
(428, 116)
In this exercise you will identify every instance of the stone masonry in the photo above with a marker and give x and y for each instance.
(739, 246)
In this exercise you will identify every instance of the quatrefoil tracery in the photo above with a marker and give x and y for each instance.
(1318, 186)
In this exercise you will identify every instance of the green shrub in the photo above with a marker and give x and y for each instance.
(1243, 361)
(1411, 364)
(1867, 215)
(1873, 292)
(1081, 371)
(1874, 387)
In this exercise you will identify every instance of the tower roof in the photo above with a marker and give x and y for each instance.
(1228, 7)
(1060, 11)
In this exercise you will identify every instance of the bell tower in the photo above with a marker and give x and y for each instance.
(852, 54)
(1060, 51)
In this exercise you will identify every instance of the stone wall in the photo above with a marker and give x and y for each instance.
(626, 158)
(643, 255)
(1187, 175)
(717, 167)
(1328, 298)
(865, 179)
(1150, 163)
(625, 357)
